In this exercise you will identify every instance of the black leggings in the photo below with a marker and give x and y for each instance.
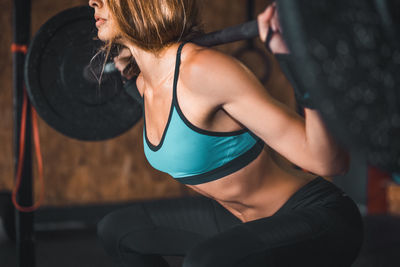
(318, 226)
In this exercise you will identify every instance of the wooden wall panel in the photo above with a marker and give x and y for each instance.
(393, 198)
(6, 116)
(93, 172)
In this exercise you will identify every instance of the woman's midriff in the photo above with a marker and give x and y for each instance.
(256, 191)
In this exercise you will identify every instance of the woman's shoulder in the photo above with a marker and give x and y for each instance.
(199, 58)
(208, 67)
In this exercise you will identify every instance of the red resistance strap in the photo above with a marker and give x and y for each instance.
(15, 48)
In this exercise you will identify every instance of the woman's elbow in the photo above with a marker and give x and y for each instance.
(339, 165)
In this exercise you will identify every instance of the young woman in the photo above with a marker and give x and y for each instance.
(208, 121)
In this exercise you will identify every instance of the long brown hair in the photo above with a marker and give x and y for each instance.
(153, 24)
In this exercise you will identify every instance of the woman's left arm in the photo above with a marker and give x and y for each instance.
(314, 125)
(305, 142)
(228, 84)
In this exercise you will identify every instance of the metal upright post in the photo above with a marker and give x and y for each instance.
(250, 16)
(23, 221)
(250, 10)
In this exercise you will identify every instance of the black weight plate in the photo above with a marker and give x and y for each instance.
(350, 67)
(63, 90)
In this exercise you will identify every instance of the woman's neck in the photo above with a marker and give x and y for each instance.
(155, 68)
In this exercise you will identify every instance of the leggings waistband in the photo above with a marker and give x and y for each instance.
(311, 193)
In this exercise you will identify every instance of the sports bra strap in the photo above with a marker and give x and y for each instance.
(177, 66)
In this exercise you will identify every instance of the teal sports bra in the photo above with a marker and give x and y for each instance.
(194, 156)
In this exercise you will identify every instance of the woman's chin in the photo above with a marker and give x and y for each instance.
(105, 36)
(102, 37)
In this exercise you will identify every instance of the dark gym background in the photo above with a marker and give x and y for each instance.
(84, 180)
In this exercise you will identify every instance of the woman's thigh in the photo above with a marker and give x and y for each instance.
(165, 227)
(317, 235)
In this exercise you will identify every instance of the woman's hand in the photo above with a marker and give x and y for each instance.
(269, 21)
(122, 61)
